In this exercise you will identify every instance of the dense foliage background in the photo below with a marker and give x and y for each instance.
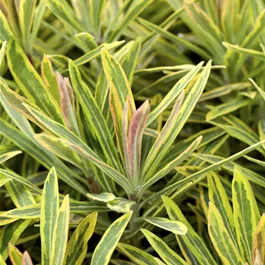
(132, 132)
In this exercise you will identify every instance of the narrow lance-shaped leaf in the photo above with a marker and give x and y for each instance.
(60, 233)
(124, 137)
(135, 9)
(110, 239)
(219, 198)
(164, 251)
(198, 176)
(116, 78)
(10, 234)
(176, 39)
(26, 260)
(244, 51)
(175, 124)
(173, 226)
(26, 13)
(102, 197)
(79, 146)
(2, 262)
(57, 147)
(135, 136)
(49, 213)
(121, 205)
(137, 255)
(29, 81)
(259, 239)
(63, 10)
(96, 8)
(192, 246)
(262, 93)
(130, 60)
(5, 33)
(15, 255)
(119, 92)
(67, 103)
(164, 133)
(174, 92)
(49, 77)
(48, 160)
(77, 245)
(246, 213)
(221, 239)
(7, 155)
(87, 57)
(12, 175)
(174, 163)
(94, 115)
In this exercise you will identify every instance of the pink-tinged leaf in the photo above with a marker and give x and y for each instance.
(136, 130)
(125, 124)
(67, 102)
(26, 260)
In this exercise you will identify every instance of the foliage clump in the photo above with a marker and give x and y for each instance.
(132, 132)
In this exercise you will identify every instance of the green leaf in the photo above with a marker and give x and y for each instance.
(222, 91)
(246, 213)
(5, 32)
(164, 251)
(174, 125)
(64, 11)
(48, 216)
(3, 180)
(29, 81)
(10, 234)
(219, 198)
(262, 93)
(102, 253)
(174, 163)
(87, 57)
(94, 116)
(58, 148)
(102, 197)
(244, 51)
(96, 8)
(177, 40)
(26, 13)
(192, 246)
(117, 79)
(77, 245)
(173, 226)
(25, 212)
(226, 108)
(60, 233)
(15, 255)
(129, 62)
(259, 238)
(174, 93)
(48, 160)
(49, 78)
(12, 175)
(221, 239)
(198, 176)
(79, 146)
(136, 255)
(121, 205)
(33, 211)
(4, 156)
(2, 262)
(134, 10)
